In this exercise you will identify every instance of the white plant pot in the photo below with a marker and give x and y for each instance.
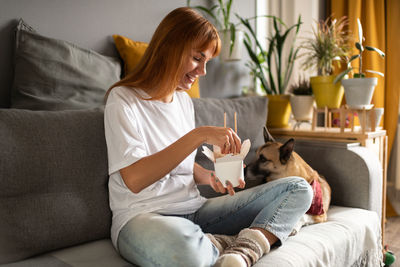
(359, 91)
(226, 43)
(302, 107)
(377, 113)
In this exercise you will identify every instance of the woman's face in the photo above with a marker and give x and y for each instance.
(195, 67)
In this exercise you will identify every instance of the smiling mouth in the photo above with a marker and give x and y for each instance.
(190, 78)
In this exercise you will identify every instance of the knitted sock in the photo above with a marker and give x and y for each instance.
(245, 251)
(221, 241)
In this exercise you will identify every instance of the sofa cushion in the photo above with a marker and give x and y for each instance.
(52, 74)
(100, 253)
(54, 193)
(350, 237)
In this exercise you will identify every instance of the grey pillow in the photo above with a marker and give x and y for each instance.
(251, 118)
(52, 74)
(53, 181)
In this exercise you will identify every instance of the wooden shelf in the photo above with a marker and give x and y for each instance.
(329, 134)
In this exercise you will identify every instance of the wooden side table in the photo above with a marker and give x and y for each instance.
(375, 141)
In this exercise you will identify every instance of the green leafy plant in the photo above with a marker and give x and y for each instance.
(361, 48)
(302, 87)
(329, 43)
(269, 66)
(220, 14)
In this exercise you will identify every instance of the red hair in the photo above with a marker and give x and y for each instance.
(160, 69)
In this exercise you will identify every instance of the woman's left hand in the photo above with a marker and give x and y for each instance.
(218, 187)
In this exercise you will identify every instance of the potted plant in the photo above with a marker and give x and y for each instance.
(272, 69)
(359, 89)
(231, 37)
(302, 100)
(327, 45)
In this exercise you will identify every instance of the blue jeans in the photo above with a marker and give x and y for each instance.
(175, 240)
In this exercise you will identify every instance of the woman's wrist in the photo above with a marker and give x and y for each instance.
(200, 135)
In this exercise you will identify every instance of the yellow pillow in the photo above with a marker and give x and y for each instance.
(131, 52)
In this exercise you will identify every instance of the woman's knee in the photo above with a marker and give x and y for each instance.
(189, 247)
(167, 241)
(302, 191)
(197, 251)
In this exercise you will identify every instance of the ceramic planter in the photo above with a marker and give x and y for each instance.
(278, 111)
(225, 45)
(359, 92)
(302, 107)
(327, 93)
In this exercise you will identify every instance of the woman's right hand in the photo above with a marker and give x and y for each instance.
(224, 137)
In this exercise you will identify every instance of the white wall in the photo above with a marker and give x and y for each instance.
(90, 24)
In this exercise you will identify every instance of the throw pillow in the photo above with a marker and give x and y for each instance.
(131, 53)
(52, 74)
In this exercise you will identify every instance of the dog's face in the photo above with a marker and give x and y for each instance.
(271, 159)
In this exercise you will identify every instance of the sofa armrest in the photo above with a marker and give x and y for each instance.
(353, 172)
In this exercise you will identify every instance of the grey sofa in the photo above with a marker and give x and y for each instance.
(54, 200)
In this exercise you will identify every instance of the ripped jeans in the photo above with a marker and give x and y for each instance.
(178, 240)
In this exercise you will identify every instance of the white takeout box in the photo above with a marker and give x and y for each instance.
(229, 167)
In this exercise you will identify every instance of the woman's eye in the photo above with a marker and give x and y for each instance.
(196, 58)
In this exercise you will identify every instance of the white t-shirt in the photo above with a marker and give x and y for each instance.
(135, 128)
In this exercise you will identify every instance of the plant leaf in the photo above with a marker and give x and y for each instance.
(359, 46)
(233, 38)
(258, 70)
(341, 75)
(264, 16)
(228, 10)
(376, 72)
(370, 48)
(360, 31)
(354, 57)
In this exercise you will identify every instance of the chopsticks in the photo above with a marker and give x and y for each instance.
(235, 119)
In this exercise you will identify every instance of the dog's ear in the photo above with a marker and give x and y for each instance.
(285, 151)
(267, 136)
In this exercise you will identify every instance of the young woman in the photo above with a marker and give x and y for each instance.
(159, 217)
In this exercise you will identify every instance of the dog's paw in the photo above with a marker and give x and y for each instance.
(294, 232)
(297, 227)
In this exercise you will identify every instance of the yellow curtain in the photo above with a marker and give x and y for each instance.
(380, 20)
(392, 68)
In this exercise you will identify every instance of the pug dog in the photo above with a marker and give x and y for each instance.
(275, 160)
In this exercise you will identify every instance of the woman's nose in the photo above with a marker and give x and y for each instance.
(202, 69)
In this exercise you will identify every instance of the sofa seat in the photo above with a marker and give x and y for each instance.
(338, 242)
(100, 253)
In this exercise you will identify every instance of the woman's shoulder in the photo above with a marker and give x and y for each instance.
(125, 94)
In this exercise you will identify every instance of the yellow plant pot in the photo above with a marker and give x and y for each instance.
(278, 111)
(327, 94)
